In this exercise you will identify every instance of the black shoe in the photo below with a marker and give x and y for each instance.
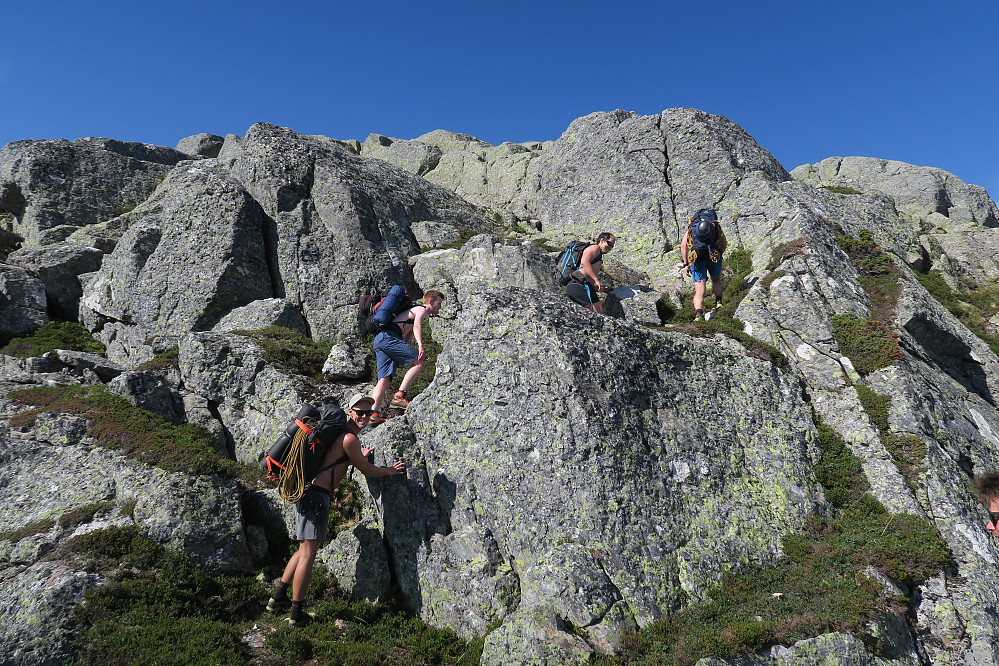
(302, 621)
(278, 605)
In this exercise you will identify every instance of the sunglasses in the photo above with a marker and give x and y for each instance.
(364, 412)
(994, 519)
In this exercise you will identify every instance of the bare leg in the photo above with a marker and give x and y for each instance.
(717, 286)
(411, 375)
(699, 288)
(379, 393)
(289, 571)
(303, 569)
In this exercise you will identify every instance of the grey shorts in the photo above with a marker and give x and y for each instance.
(312, 515)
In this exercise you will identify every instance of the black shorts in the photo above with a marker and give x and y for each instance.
(582, 293)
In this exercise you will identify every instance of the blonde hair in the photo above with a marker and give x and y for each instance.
(431, 295)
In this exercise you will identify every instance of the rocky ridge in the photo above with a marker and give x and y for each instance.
(569, 476)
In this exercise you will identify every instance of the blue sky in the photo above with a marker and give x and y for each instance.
(914, 81)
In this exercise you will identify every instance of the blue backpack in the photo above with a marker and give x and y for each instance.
(385, 311)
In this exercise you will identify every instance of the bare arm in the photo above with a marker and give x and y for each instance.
(359, 459)
(722, 243)
(418, 332)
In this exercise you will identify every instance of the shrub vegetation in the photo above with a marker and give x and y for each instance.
(820, 585)
(115, 424)
(53, 335)
(867, 343)
(974, 307)
(291, 351)
(161, 609)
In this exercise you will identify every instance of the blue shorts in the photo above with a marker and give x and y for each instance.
(391, 352)
(702, 268)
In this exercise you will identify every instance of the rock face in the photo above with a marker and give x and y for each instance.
(22, 302)
(194, 251)
(59, 267)
(570, 476)
(52, 187)
(338, 224)
(497, 177)
(642, 177)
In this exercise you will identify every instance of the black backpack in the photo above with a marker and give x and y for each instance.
(703, 236)
(379, 317)
(294, 458)
(568, 261)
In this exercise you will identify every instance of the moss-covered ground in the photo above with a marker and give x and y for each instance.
(291, 351)
(738, 264)
(53, 335)
(818, 587)
(974, 306)
(116, 424)
(161, 610)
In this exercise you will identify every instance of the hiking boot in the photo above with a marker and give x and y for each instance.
(698, 316)
(278, 605)
(399, 401)
(376, 419)
(302, 621)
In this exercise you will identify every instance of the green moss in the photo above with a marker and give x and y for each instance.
(375, 634)
(908, 451)
(867, 343)
(82, 514)
(29, 529)
(879, 276)
(839, 189)
(818, 588)
(115, 424)
(974, 307)
(53, 335)
(785, 251)
(158, 608)
(168, 360)
(770, 278)
(291, 351)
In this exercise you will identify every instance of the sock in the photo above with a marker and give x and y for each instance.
(699, 312)
(296, 610)
(280, 591)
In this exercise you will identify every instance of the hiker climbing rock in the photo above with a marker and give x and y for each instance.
(584, 284)
(701, 250)
(394, 348)
(987, 487)
(312, 512)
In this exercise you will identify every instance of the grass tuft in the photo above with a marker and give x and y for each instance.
(867, 343)
(820, 586)
(115, 424)
(291, 351)
(53, 335)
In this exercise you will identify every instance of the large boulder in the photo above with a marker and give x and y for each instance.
(340, 222)
(59, 267)
(201, 145)
(928, 196)
(642, 177)
(497, 177)
(55, 186)
(549, 425)
(22, 302)
(194, 251)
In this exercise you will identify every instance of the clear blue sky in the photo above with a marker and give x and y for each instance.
(911, 80)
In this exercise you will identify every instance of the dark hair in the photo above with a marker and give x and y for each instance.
(987, 486)
(605, 236)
